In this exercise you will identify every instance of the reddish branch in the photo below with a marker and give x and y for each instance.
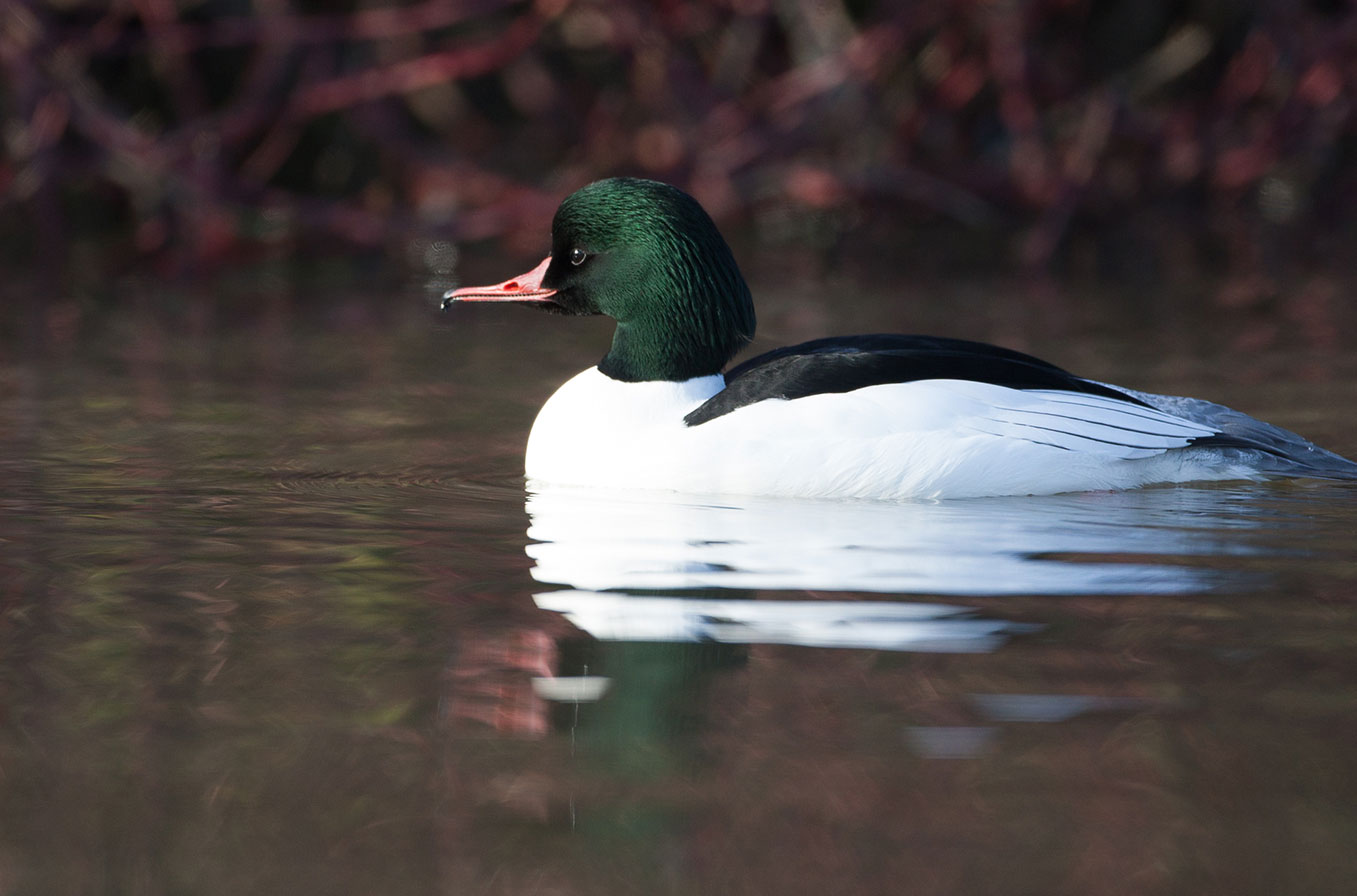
(415, 74)
(992, 115)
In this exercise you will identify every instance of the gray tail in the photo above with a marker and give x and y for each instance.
(1272, 450)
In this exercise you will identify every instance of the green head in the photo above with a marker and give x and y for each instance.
(647, 255)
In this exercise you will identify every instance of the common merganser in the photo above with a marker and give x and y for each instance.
(880, 416)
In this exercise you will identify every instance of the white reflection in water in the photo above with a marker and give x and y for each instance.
(949, 741)
(1146, 541)
(1047, 707)
(865, 624)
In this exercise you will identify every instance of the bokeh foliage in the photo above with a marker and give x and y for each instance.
(192, 132)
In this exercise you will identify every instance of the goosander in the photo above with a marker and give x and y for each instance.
(879, 416)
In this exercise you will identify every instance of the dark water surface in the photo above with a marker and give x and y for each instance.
(278, 617)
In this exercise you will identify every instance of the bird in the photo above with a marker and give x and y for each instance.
(880, 416)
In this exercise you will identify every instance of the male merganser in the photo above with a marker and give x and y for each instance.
(881, 416)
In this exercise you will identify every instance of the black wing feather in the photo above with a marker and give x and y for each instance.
(846, 363)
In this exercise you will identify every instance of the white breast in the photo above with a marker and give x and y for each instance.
(927, 439)
(596, 430)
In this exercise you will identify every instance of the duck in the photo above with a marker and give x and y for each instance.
(879, 416)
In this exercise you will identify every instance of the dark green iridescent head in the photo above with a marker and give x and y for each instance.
(647, 255)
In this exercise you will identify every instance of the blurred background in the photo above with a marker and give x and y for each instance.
(1117, 139)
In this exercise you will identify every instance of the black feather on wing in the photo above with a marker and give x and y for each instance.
(846, 363)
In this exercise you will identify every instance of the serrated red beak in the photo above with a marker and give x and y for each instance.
(523, 288)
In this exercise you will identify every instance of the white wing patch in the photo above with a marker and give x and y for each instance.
(1088, 424)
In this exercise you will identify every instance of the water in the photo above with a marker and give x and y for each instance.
(278, 616)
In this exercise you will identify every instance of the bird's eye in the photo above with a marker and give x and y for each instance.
(577, 256)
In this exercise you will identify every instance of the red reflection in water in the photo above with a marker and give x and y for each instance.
(490, 682)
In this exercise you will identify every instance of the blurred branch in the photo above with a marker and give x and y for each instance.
(414, 74)
(203, 130)
(382, 23)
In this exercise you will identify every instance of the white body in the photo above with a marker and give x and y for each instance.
(916, 440)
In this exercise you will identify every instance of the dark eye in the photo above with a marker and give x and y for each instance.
(577, 256)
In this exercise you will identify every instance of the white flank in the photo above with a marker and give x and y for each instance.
(925, 439)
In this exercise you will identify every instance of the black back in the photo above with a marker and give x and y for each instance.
(845, 363)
